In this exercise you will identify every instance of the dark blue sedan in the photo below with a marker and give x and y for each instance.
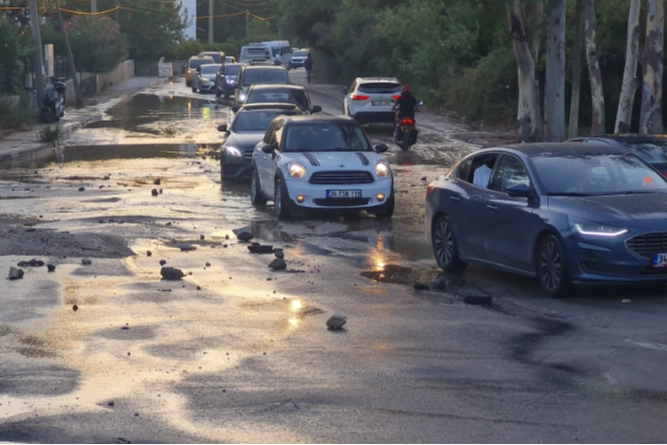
(565, 213)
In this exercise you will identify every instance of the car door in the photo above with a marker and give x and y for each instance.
(265, 163)
(512, 223)
(350, 93)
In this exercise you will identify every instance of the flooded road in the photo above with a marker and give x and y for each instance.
(103, 350)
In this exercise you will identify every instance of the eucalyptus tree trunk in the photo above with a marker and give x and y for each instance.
(554, 92)
(594, 74)
(573, 124)
(630, 81)
(70, 56)
(651, 112)
(526, 44)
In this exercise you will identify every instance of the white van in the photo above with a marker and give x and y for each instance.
(281, 51)
(255, 52)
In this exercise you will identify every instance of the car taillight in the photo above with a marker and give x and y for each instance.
(396, 96)
(360, 97)
(430, 187)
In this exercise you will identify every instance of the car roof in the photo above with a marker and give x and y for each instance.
(201, 57)
(377, 79)
(630, 137)
(234, 64)
(277, 87)
(268, 106)
(311, 119)
(217, 65)
(553, 148)
(264, 67)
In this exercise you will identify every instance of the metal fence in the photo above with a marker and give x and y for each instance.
(61, 68)
(89, 86)
(5, 81)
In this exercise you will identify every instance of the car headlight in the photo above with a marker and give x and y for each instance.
(233, 151)
(599, 230)
(382, 169)
(229, 81)
(242, 97)
(296, 170)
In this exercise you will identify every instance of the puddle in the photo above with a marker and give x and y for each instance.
(394, 274)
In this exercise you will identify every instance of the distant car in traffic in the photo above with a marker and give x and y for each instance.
(217, 56)
(564, 213)
(294, 94)
(318, 163)
(370, 99)
(193, 63)
(651, 148)
(230, 59)
(298, 58)
(256, 52)
(204, 78)
(246, 130)
(259, 74)
(225, 79)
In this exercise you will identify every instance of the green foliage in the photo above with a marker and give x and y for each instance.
(49, 133)
(97, 43)
(13, 116)
(15, 51)
(184, 50)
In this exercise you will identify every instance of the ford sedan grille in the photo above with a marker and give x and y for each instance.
(648, 244)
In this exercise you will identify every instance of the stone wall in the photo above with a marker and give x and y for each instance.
(124, 71)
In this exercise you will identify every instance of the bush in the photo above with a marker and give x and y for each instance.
(13, 117)
(185, 50)
(50, 133)
(97, 43)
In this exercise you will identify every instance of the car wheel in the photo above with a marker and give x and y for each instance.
(256, 197)
(551, 268)
(280, 201)
(226, 95)
(187, 84)
(194, 90)
(218, 94)
(445, 249)
(388, 208)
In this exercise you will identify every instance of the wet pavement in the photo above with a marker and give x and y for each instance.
(237, 352)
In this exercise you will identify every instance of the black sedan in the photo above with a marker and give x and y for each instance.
(293, 94)
(246, 130)
(652, 149)
(565, 213)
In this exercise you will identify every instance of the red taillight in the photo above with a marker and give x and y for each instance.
(360, 97)
(429, 188)
(396, 97)
(407, 121)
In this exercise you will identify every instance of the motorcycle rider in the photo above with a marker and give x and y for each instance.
(407, 105)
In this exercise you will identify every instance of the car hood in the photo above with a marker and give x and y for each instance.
(244, 140)
(637, 207)
(326, 160)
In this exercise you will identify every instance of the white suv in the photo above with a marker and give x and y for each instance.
(320, 163)
(370, 99)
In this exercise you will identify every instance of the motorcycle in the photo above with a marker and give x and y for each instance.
(53, 102)
(405, 134)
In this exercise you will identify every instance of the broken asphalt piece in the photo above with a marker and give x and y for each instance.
(32, 263)
(423, 178)
(15, 274)
(86, 261)
(171, 273)
(202, 237)
(226, 236)
(51, 267)
(187, 247)
(208, 264)
(257, 248)
(157, 181)
(162, 262)
(480, 300)
(336, 322)
(154, 192)
(278, 264)
(125, 328)
(82, 189)
(149, 253)
(75, 308)
(439, 283)
(278, 253)
(244, 236)
(420, 286)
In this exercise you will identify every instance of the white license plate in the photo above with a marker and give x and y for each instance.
(382, 103)
(343, 193)
(660, 260)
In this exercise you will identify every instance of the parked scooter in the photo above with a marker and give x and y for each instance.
(53, 102)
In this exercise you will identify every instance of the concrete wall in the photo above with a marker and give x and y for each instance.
(122, 72)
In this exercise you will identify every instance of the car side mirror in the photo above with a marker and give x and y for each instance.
(520, 191)
(343, 91)
(222, 127)
(381, 148)
(421, 102)
(236, 108)
(268, 149)
(316, 109)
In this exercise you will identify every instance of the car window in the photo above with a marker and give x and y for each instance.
(481, 169)
(278, 135)
(254, 120)
(265, 76)
(230, 70)
(654, 153)
(269, 133)
(300, 53)
(209, 69)
(463, 171)
(194, 63)
(379, 87)
(510, 172)
(595, 174)
(290, 97)
(326, 137)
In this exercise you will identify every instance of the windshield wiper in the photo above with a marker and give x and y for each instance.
(630, 192)
(570, 194)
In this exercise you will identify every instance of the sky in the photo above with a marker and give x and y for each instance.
(191, 7)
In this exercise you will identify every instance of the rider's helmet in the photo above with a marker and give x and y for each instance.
(405, 89)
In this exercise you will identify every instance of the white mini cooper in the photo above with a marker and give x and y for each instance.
(320, 163)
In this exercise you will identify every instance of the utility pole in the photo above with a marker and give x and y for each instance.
(247, 23)
(93, 5)
(210, 22)
(70, 56)
(39, 53)
(117, 11)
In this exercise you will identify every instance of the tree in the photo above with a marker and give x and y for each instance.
(526, 43)
(651, 112)
(594, 73)
(70, 56)
(573, 124)
(554, 93)
(98, 43)
(630, 81)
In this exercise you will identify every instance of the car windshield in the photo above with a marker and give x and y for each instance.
(217, 58)
(325, 137)
(252, 121)
(653, 152)
(232, 70)
(209, 69)
(379, 87)
(300, 54)
(194, 63)
(297, 97)
(596, 174)
(265, 76)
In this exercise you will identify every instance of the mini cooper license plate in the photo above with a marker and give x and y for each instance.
(660, 260)
(352, 194)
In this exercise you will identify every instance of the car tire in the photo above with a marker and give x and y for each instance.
(226, 95)
(256, 197)
(444, 245)
(387, 210)
(187, 84)
(281, 201)
(551, 268)
(218, 94)
(194, 90)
